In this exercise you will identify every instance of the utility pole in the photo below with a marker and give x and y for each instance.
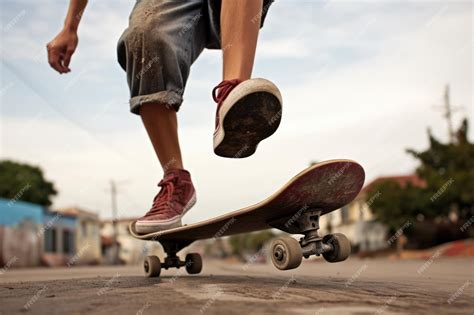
(113, 191)
(448, 111)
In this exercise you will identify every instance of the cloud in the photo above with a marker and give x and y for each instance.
(410, 70)
(358, 80)
(283, 48)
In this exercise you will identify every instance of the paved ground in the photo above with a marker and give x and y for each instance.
(433, 286)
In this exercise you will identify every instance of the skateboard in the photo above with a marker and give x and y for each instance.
(295, 208)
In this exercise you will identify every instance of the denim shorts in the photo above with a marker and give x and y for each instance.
(163, 39)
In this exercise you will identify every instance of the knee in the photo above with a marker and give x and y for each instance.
(148, 35)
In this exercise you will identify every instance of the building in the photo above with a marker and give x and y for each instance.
(32, 235)
(130, 250)
(87, 243)
(59, 235)
(21, 242)
(356, 220)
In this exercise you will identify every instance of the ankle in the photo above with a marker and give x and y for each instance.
(239, 77)
(175, 170)
(171, 166)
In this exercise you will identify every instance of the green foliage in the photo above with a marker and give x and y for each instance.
(25, 182)
(447, 169)
(249, 242)
(397, 205)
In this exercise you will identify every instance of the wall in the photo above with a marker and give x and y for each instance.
(88, 241)
(21, 240)
(59, 233)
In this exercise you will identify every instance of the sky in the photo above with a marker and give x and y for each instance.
(360, 80)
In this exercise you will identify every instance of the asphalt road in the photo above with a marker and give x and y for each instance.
(381, 286)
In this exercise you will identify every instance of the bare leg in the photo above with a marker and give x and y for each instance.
(240, 23)
(170, 204)
(162, 127)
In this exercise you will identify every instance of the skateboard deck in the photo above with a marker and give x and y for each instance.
(326, 186)
(319, 189)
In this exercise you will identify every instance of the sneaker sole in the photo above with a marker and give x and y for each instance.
(145, 227)
(254, 116)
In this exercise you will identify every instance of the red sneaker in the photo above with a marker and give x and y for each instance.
(247, 113)
(176, 197)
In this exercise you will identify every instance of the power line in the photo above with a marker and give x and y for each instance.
(448, 111)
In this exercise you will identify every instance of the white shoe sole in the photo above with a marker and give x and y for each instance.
(250, 113)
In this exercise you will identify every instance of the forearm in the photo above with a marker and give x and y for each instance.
(74, 14)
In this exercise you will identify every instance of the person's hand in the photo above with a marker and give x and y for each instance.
(60, 50)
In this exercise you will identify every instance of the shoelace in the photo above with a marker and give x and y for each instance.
(162, 203)
(222, 90)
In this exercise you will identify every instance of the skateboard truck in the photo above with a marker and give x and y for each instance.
(192, 262)
(287, 252)
(311, 243)
(172, 261)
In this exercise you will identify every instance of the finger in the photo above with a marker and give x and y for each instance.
(67, 57)
(53, 59)
(61, 63)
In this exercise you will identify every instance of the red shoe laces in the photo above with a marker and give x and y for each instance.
(162, 203)
(220, 92)
(223, 89)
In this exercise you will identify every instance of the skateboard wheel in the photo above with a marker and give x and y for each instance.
(152, 266)
(341, 247)
(193, 263)
(286, 253)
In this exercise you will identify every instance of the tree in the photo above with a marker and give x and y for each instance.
(448, 171)
(397, 205)
(25, 182)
